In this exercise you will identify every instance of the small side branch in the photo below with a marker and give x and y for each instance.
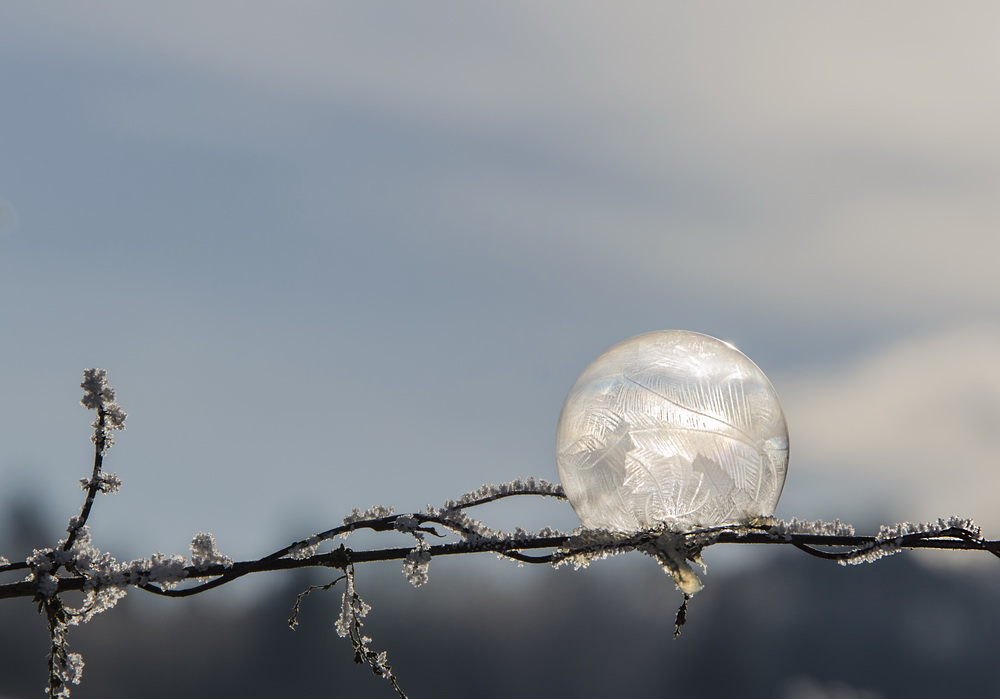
(94, 484)
(100, 396)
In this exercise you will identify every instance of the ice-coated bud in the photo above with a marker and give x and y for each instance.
(671, 428)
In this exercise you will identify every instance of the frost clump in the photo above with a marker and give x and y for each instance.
(352, 610)
(518, 486)
(107, 483)
(99, 396)
(785, 530)
(871, 553)
(929, 528)
(67, 668)
(407, 524)
(417, 564)
(305, 549)
(373, 512)
(594, 545)
(205, 553)
(72, 670)
(889, 539)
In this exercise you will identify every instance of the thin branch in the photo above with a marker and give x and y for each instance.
(100, 447)
(293, 620)
(389, 523)
(836, 547)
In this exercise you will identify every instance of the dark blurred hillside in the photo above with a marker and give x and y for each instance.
(796, 628)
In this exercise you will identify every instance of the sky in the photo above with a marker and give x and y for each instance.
(337, 254)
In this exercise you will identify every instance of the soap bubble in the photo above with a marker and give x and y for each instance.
(675, 428)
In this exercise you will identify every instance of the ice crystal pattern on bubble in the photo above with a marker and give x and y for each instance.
(672, 428)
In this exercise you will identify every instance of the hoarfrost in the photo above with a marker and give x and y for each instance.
(46, 585)
(97, 393)
(97, 601)
(871, 553)
(784, 529)
(163, 569)
(205, 553)
(417, 563)
(66, 668)
(458, 521)
(548, 532)
(107, 483)
(930, 528)
(349, 625)
(352, 609)
(668, 547)
(593, 545)
(40, 561)
(373, 512)
(72, 671)
(518, 486)
(890, 538)
(407, 524)
(99, 396)
(305, 549)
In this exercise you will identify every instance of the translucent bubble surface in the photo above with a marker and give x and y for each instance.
(671, 427)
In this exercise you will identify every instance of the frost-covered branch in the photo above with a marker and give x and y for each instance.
(75, 564)
(579, 550)
(99, 396)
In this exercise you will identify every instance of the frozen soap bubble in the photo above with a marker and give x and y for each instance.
(671, 427)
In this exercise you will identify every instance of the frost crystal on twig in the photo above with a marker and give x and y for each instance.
(352, 608)
(305, 549)
(417, 563)
(459, 522)
(408, 524)
(99, 396)
(373, 512)
(65, 668)
(896, 531)
(783, 530)
(593, 545)
(890, 538)
(871, 553)
(107, 483)
(518, 486)
(163, 569)
(205, 553)
(349, 625)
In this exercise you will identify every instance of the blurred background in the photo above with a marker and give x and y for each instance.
(336, 254)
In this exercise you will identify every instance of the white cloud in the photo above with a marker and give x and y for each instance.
(741, 82)
(917, 424)
(818, 161)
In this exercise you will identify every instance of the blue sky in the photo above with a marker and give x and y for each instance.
(339, 254)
